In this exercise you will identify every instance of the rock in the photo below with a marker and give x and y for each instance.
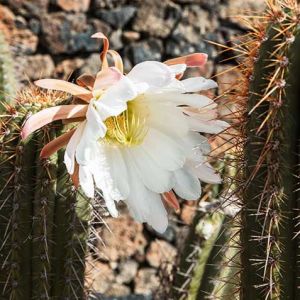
(227, 77)
(7, 21)
(117, 17)
(66, 67)
(160, 252)
(156, 17)
(20, 22)
(233, 10)
(147, 50)
(29, 8)
(115, 40)
(68, 33)
(35, 66)
(99, 276)
(118, 290)
(124, 239)
(24, 41)
(34, 26)
(100, 26)
(146, 281)
(99, 4)
(74, 5)
(131, 36)
(188, 212)
(91, 65)
(127, 271)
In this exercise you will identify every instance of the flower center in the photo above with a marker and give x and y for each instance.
(129, 128)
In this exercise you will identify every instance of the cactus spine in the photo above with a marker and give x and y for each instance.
(44, 221)
(269, 92)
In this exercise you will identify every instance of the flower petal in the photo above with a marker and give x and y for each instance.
(65, 86)
(106, 78)
(56, 144)
(205, 172)
(187, 185)
(86, 80)
(171, 200)
(86, 181)
(154, 73)
(69, 157)
(51, 114)
(196, 84)
(191, 60)
(115, 98)
(212, 126)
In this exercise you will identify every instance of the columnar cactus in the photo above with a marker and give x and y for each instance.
(268, 184)
(43, 219)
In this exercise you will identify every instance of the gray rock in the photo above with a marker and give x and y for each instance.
(156, 17)
(99, 4)
(117, 17)
(115, 40)
(147, 50)
(127, 271)
(68, 33)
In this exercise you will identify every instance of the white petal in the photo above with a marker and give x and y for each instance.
(69, 156)
(154, 73)
(212, 127)
(176, 126)
(198, 146)
(187, 185)
(144, 205)
(153, 176)
(111, 205)
(87, 151)
(178, 69)
(86, 181)
(194, 100)
(95, 127)
(196, 84)
(164, 150)
(118, 171)
(114, 99)
(205, 172)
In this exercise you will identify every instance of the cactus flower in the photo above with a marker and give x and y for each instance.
(137, 135)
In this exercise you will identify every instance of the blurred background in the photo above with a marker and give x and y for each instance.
(51, 38)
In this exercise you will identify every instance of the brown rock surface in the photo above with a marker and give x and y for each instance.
(74, 5)
(160, 252)
(124, 240)
(146, 281)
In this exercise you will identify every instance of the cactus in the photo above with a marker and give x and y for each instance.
(208, 263)
(268, 94)
(44, 221)
(7, 79)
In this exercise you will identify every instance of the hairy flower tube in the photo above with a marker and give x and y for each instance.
(137, 136)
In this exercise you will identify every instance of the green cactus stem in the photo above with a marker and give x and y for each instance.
(270, 90)
(44, 220)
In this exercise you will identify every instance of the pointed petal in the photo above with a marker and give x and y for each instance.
(51, 114)
(86, 181)
(191, 60)
(154, 73)
(196, 84)
(56, 144)
(106, 78)
(75, 176)
(100, 35)
(86, 80)
(65, 86)
(171, 200)
(69, 157)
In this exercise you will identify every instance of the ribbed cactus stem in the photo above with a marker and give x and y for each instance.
(44, 220)
(272, 129)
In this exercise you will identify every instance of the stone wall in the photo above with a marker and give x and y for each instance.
(52, 38)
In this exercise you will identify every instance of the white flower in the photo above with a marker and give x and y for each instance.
(139, 139)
